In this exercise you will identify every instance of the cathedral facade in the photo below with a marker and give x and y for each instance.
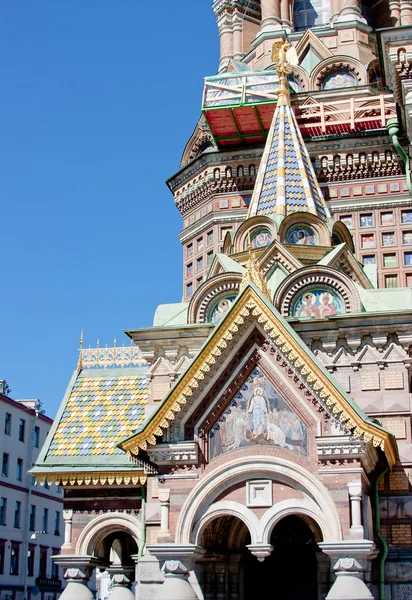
(255, 442)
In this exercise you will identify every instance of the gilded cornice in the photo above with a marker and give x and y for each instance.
(251, 304)
(109, 477)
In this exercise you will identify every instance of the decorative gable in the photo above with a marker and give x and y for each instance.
(218, 358)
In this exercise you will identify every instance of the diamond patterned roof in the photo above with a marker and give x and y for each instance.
(286, 182)
(99, 413)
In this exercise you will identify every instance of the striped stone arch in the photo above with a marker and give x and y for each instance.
(310, 276)
(224, 284)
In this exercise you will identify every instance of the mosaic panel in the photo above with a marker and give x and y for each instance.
(258, 415)
(221, 308)
(318, 303)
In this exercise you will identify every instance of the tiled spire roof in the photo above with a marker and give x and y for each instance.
(286, 182)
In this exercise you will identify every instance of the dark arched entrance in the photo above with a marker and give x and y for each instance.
(290, 572)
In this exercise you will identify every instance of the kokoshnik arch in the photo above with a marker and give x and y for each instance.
(256, 440)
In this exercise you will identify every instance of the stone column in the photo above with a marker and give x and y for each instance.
(355, 495)
(271, 18)
(406, 12)
(285, 13)
(122, 579)
(78, 570)
(164, 498)
(350, 561)
(68, 523)
(350, 10)
(334, 10)
(224, 25)
(234, 576)
(395, 10)
(237, 21)
(180, 579)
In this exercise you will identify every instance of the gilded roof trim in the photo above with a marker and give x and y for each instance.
(111, 477)
(251, 302)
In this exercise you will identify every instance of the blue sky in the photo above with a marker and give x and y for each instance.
(98, 101)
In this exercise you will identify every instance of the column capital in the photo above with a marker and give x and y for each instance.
(261, 551)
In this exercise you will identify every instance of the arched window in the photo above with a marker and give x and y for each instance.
(240, 171)
(310, 13)
(228, 172)
(252, 170)
(216, 173)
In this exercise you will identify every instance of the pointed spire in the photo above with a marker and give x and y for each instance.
(254, 275)
(286, 182)
(80, 361)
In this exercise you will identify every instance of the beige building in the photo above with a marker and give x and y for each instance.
(31, 519)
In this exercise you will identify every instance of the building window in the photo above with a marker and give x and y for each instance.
(199, 282)
(30, 560)
(366, 220)
(189, 270)
(389, 260)
(45, 520)
(391, 281)
(32, 518)
(189, 250)
(210, 238)
(368, 241)
(57, 523)
(2, 547)
(369, 260)
(5, 465)
(17, 515)
(209, 258)
(308, 13)
(43, 562)
(409, 280)
(388, 239)
(387, 218)
(199, 264)
(7, 424)
(406, 216)
(347, 220)
(22, 430)
(407, 237)
(55, 568)
(3, 510)
(408, 258)
(36, 436)
(58, 489)
(14, 559)
(189, 290)
(200, 244)
(19, 469)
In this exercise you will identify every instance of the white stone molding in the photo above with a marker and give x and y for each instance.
(101, 526)
(68, 523)
(244, 468)
(164, 499)
(355, 495)
(259, 493)
(183, 453)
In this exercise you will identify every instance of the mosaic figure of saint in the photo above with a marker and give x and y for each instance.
(221, 310)
(309, 308)
(259, 411)
(326, 305)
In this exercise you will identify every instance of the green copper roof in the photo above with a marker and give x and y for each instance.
(171, 314)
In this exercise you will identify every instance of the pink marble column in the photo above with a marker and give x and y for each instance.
(271, 15)
(285, 13)
(226, 40)
(395, 10)
(406, 12)
(350, 10)
(237, 36)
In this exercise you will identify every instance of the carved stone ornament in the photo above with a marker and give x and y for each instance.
(174, 566)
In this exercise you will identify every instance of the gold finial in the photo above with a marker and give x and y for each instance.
(80, 361)
(254, 275)
(285, 57)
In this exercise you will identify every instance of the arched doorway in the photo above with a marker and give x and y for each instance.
(230, 571)
(290, 572)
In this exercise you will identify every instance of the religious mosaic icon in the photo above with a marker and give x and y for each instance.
(339, 80)
(300, 235)
(221, 308)
(258, 415)
(261, 238)
(318, 303)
